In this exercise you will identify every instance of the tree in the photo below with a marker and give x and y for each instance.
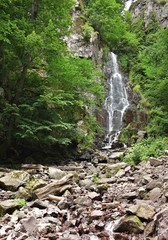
(42, 83)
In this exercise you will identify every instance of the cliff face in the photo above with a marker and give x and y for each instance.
(158, 8)
(78, 43)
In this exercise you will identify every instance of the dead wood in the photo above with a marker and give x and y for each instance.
(56, 187)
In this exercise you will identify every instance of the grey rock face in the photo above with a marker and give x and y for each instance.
(159, 8)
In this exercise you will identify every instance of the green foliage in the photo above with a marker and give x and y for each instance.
(148, 71)
(46, 90)
(88, 32)
(142, 151)
(106, 17)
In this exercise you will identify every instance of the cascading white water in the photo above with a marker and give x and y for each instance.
(116, 101)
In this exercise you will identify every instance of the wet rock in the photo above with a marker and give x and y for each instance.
(142, 210)
(130, 224)
(56, 173)
(13, 180)
(155, 161)
(8, 206)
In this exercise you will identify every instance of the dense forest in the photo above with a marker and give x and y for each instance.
(49, 98)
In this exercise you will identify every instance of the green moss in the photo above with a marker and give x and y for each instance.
(135, 219)
(31, 184)
(95, 179)
(21, 202)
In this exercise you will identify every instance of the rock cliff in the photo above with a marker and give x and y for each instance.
(156, 8)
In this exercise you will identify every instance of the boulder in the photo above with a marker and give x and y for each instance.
(8, 206)
(13, 180)
(142, 210)
(129, 224)
(56, 173)
(141, 136)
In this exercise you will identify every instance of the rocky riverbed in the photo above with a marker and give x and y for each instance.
(86, 200)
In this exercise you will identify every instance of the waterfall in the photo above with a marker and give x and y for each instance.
(116, 101)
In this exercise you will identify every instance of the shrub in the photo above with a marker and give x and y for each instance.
(142, 151)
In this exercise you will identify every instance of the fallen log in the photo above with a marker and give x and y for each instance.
(56, 187)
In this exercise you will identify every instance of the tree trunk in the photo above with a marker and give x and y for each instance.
(35, 8)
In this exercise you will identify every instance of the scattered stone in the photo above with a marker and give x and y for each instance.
(83, 201)
(130, 195)
(154, 184)
(155, 194)
(86, 183)
(149, 229)
(96, 213)
(91, 202)
(30, 225)
(56, 173)
(155, 161)
(120, 173)
(94, 195)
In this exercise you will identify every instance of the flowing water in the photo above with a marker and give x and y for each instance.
(116, 101)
